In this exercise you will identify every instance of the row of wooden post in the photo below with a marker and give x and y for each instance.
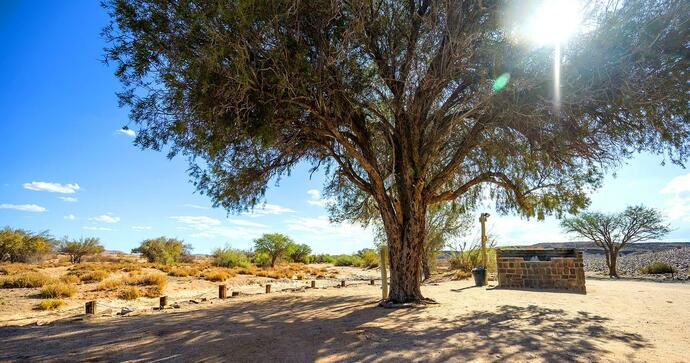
(90, 307)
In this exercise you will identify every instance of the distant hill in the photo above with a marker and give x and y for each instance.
(591, 248)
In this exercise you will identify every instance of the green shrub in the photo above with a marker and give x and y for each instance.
(25, 280)
(18, 245)
(228, 257)
(164, 250)
(370, 259)
(50, 304)
(322, 258)
(80, 248)
(658, 268)
(57, 289)
(348, 260)
(261, 259)
(299, 252)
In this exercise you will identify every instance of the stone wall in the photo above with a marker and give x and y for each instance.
(544, 270)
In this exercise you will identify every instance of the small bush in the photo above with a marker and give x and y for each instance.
(110, 284)
(348, 260)
(57, 289)
(153, 291)
(70, 279)
(94, 276)
(228, 257)
(182, 271)
(76, 250)
(370, 259)
(323, 258)
(658, 268)
(299, 252)
(50, 304)
(25, 280)
(262, 259)
(18, 245)
(164, 250)
(130, 293)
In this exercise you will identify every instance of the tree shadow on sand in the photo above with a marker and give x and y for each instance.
(308, 328)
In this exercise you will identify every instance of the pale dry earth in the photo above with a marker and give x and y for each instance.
(617, 320)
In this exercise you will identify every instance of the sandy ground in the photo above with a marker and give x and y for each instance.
(616, 321)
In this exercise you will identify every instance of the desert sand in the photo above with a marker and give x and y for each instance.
(615, 321)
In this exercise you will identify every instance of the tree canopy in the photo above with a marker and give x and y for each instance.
(76, 249)
(395, 101)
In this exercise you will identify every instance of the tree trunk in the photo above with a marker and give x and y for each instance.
(426, 264)
(612, 259)
(406, 248)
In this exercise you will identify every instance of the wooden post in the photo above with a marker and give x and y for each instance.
(90, 308)
(163, 301)
(235, 293)
(482, 220)
(313, 284)
(342, 283)
(371, 282)
(268, 288)
(222, 291)
(384, 274)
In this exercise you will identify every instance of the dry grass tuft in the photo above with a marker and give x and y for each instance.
(130, 293)
(153, 291)
(110, 284)
(70, 279)
(218, 274)
(15, 268)
(94, 276)
(25, 280)
(57, 289)
(50, 304)
(146, 279)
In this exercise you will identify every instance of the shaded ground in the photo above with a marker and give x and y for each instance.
(615, 321)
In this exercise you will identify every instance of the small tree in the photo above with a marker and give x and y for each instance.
(613, 232)
(276, 245)
(299, 252)
(163, 250)
(19, 245)
(79, 248)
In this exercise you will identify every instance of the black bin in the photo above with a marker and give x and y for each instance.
(478, 274)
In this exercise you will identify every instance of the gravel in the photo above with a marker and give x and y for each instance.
(630, 265)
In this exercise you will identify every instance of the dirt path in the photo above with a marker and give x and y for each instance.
(615, 321)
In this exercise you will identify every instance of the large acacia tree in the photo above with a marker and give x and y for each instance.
(396, 101)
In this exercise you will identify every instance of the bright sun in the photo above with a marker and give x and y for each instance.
(553, 21)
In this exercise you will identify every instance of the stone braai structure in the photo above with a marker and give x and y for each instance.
(559, 268)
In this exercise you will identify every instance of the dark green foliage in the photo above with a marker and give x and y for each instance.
(164, 250)
(348, 260)
(322, 258)
(299, 252)
(275, 245)
(393, 99)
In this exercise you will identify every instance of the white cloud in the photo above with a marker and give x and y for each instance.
(52, 187)
(141, 228)
(70, 217)
(320, 229)
(316, 199)
(207, 227)
(678, 198)
(128, 132)
(69, 199)
(195, 206)
(90, 228)
(23, 207)
(106, 218)
(268, 209)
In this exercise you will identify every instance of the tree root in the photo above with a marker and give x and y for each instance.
(420, 303)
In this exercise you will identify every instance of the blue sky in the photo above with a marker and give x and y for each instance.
(66, 167)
